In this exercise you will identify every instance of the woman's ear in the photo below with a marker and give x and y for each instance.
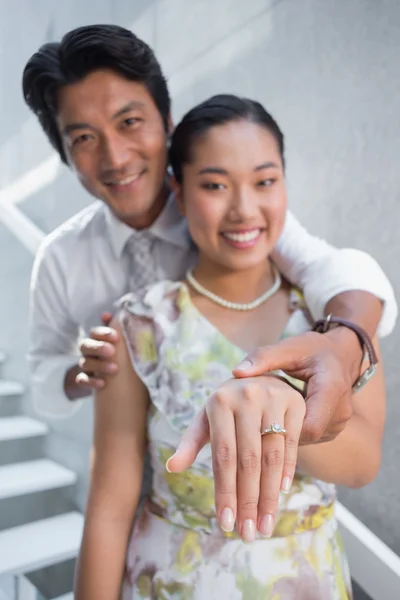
(176, 188)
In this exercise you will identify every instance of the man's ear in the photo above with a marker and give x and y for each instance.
(176, 188)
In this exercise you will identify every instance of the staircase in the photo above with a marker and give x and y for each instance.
(38, 529)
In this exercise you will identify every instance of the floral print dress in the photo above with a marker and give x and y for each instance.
(177, 550)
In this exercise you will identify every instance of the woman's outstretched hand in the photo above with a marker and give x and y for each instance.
(250, 469)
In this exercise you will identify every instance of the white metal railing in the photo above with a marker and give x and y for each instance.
(24, 230)
(31, 182)
(374, 566)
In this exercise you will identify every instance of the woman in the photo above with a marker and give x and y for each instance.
(180, 344)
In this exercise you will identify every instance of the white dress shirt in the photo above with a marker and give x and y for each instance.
(82, 269)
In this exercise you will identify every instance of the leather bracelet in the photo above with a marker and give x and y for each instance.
(324, 325)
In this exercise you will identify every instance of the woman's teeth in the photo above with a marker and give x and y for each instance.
(247, 236)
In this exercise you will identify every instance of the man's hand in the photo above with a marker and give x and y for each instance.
(97, 356)
(329, 363)
(249, 469)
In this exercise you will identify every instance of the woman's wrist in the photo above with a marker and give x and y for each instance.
(293, 382)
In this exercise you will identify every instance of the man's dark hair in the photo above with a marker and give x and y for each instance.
(80, 52)
(218, 110)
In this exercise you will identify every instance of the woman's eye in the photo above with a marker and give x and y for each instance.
(266, 182)
(213, 186)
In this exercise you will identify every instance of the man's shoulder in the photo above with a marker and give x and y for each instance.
(79, 227)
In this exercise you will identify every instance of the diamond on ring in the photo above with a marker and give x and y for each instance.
(274, 428)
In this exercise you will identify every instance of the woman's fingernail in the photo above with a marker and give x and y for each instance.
(286, 485)
(167, 464)
(112, 367)
(227, 520)
(248, 531)
(267, 525)
(245, 365)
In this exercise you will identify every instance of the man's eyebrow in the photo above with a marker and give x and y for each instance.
(75, 127)
(127, 108)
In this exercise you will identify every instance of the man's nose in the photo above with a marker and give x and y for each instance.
(115, 153)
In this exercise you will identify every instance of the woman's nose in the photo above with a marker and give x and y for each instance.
(243, 204)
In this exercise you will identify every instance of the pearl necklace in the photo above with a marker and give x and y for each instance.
(235, 305)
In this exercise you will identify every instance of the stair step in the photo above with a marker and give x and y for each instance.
(33, 476)
(3, 596)
(40, 544)
(10, 388)
(14, 428)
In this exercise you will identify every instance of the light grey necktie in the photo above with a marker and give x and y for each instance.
(142, 271)
(142, 265)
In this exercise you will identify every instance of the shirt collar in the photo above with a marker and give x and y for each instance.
(169, 226)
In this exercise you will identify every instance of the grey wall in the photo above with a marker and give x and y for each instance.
(328, 71)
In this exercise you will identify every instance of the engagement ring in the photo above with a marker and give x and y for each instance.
(274, 428)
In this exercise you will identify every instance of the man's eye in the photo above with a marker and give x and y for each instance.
(132, 121)
(81, 139)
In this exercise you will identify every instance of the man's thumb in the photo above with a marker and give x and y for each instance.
(287, 355)
(194, 439)
(262, 360)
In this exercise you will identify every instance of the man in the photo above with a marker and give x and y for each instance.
(103, 102)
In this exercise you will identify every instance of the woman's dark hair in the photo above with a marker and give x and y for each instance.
(217, 110)
(80, 52)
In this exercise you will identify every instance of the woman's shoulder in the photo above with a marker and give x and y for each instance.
(151, 299)
(149, 318)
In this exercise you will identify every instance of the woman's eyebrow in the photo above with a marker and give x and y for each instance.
(219, 171)
(213, 171)
(267, 165)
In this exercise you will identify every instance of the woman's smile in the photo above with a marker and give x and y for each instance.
(244, 238)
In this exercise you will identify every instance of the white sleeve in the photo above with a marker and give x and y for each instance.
(53, 337)
(323, 271)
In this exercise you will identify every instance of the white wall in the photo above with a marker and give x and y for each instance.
(328, 71)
